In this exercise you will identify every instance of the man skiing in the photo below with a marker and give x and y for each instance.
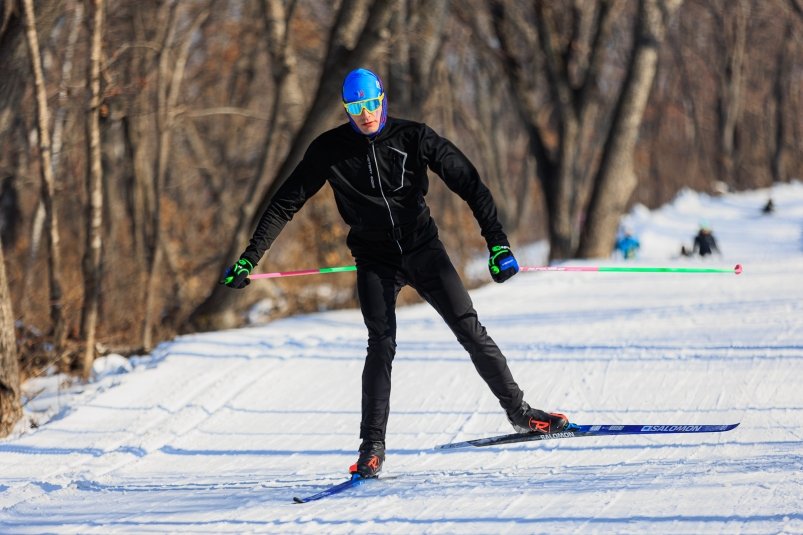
(377, 167)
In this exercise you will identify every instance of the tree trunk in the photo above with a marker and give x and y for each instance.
(59, 324)
(781, 85)
(561, 233)
(14, 66)
(154, 251)
(94, 188)
(729, 107)
(399, 79)
(616, 179)
(10, 409)
(426, 38)
(58, 128)
(60, 116)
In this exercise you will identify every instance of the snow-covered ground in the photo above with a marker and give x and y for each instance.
(217, 432)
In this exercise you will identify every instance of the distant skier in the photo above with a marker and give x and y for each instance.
(704, 242)
(627, 244)
(377, 167)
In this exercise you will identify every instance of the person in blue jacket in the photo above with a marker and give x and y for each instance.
(627, 244)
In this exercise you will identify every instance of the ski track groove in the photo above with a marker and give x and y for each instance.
(216, 382)
(73, 473)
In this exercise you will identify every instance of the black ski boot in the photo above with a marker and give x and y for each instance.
(372, 455)
(525, 419)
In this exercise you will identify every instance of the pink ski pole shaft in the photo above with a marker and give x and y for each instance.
(737, 270)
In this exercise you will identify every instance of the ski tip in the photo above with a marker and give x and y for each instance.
(296, 499)
(727, 427)
(738, 271)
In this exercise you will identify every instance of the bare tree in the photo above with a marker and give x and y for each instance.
(94, 188)
(10, 409)
(15, 69)
(499, 138)
(149, 25)
(781, 89)
(616, 178)
(59, 124)
(59, 323)
(286, 97)
(732, 20)
(170, 75)
(572, 69)
(572, 45)
(14, 66)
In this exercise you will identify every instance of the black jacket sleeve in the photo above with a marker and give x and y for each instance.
(460, 175)
(304, 182)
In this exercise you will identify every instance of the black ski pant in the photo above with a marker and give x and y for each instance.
(430, 272)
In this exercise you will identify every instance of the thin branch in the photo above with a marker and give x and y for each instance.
(150, 45)
(221, 110)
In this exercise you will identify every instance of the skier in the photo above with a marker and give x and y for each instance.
(627, 244)
(377, 168)
(704, 241)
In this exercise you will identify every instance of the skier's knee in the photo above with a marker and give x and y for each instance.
(383, 346)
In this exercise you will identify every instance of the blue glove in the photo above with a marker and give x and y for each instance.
(236, 276)
(502, 264)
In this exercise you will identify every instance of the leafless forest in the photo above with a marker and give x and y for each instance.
(139, 140)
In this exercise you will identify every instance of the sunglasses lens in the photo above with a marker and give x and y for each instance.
(354, 108)
(373, 104)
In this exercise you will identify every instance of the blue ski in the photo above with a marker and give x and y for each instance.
(355, 481)
(574, 431)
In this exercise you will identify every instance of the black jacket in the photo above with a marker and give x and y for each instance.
(705, 244)
(379, 188)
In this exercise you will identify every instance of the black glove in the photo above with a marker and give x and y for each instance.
(502, 264)
(236, 276)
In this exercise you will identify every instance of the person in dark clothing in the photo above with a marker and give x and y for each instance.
(377, 167)
(704, 242)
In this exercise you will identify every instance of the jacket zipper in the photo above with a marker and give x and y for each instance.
(379, 181)
(370, 171)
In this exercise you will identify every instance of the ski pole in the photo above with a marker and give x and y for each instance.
(737, 270)
(318, 271)
(599, 269)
